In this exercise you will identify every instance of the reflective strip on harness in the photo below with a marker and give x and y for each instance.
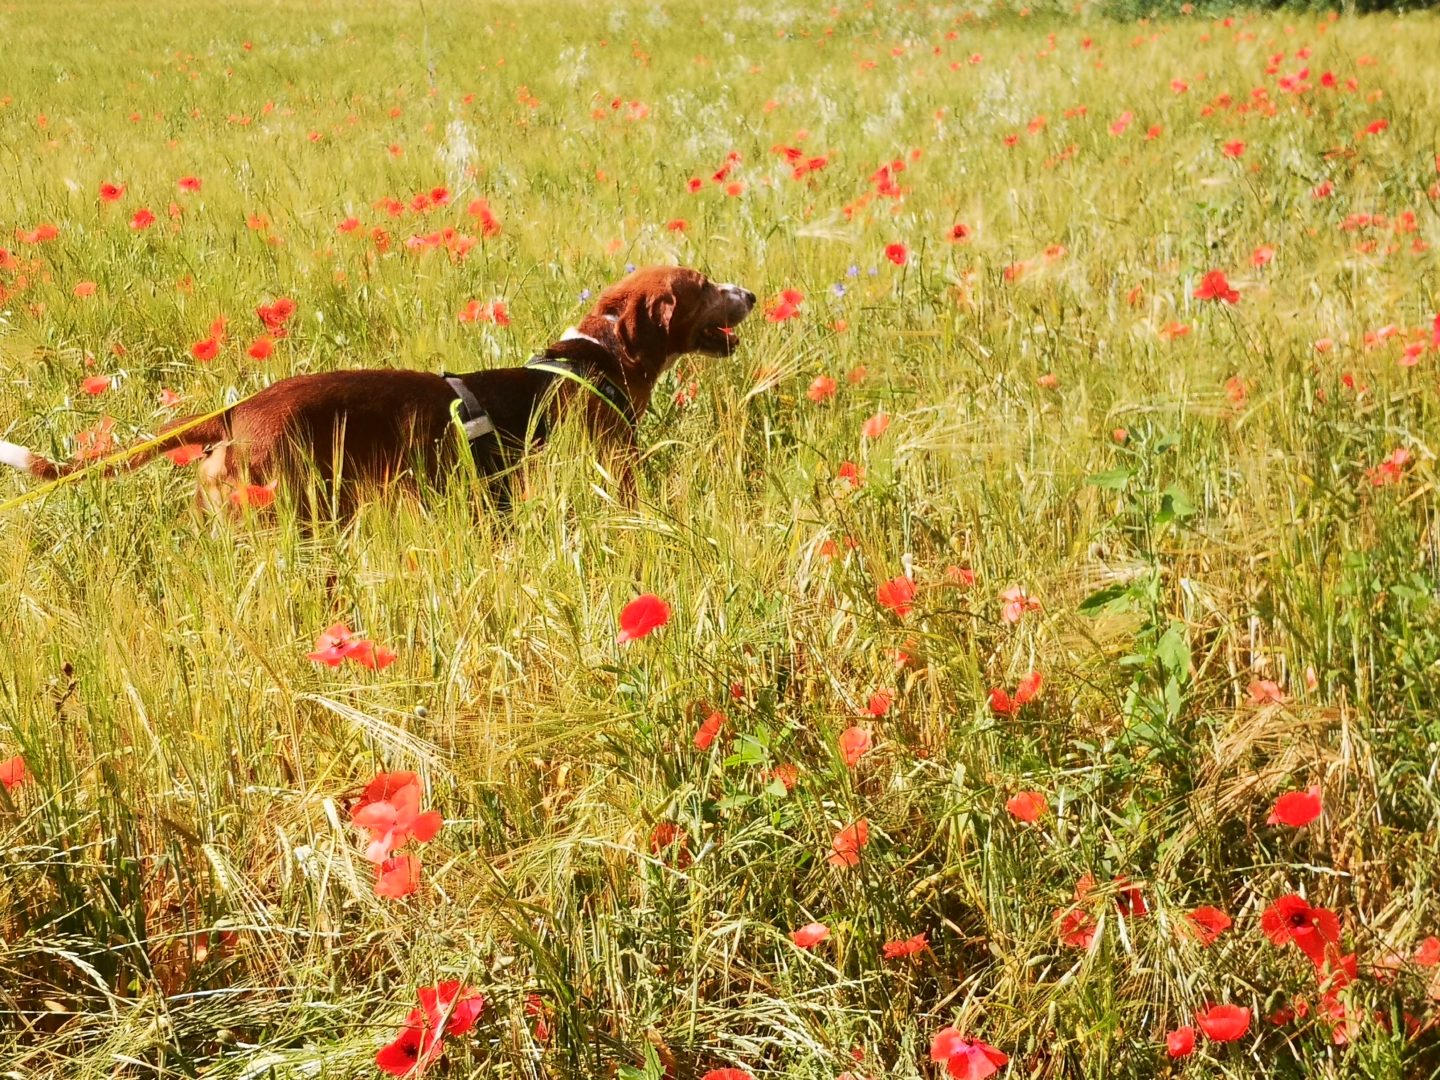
(602, 388)
(474, 421)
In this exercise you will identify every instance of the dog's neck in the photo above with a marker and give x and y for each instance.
(635, 375)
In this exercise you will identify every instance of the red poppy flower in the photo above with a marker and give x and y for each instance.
(389, 813)
(694, 184)
(489, 223)
(1223, 1023)
(112, 192)
(810, 935)
(1028, 805)
(349, 225)
(959, 233)
(275, 315)
(330, 646)
(642, 616)
(1427, 953)
(822, 389)
(893, 950)
(535, 1009)
(369, 655)
(1335, 971)
(95, 385)
(38, 235)
(1129, 899)
(1233, 149)
(1076, 927)
(451, 1007)
(847, 844)
(1180, 1042)
(1391, 470)
(398, 876)
(1283, 1015)
(851, 474)
(97, 440)
(670, 841)
(782, 311)
(85, 288)
(414, 1049)
(1028, 689)
(205, 350)
(1315, 931)
(1215, 286)
(962, 577)
(727, 1074)
(965, 1059)
(879, 703)
(898, 254)
(1208, 923)
(142, 219)
(260, 348)
(896, 594)
(495, 311)
(1015, 602)
(1296, 808)
(188, 183)
(785, 774)
(875, 426)
(186, 455)
(12, 772)
(709, 730)
(1263, 255)
(1263, 691)
(854, 744)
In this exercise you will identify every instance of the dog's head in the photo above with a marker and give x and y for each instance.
(660, 312)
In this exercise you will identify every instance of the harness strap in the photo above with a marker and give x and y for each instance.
(469, 413)
(603, 388)
(470, 416)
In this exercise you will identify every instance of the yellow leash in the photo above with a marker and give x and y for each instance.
(116, 458)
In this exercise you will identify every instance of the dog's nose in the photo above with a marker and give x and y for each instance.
(749, 297)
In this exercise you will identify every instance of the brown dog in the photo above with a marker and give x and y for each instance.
(364, 428)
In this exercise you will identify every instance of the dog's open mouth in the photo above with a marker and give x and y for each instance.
(716, 340)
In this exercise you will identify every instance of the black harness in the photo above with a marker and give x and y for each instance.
(480, 431)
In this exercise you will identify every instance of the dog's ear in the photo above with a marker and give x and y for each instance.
(644, 323)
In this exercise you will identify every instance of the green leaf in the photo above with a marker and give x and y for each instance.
(1174, 700)
(1175, 505)
(1110, 599)
(653, 1069)
(1113, 479)
(748, 751)
(1173, 652)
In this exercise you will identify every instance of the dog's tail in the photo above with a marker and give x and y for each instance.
(186, 433)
